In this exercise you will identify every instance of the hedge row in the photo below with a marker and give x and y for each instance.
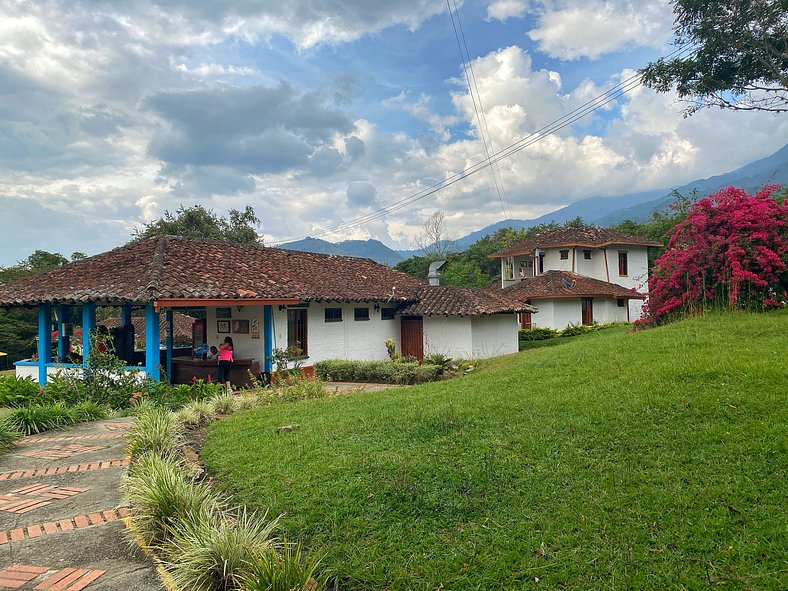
(382, 372)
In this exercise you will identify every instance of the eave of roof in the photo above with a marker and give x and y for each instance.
(564, 284)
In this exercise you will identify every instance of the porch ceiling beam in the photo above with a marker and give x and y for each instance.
(212, 302)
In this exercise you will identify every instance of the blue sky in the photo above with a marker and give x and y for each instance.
(316, 113)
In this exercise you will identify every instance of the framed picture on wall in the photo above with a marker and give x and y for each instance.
(224, 312)
(240, 326)
(255, 328)
(222, 326)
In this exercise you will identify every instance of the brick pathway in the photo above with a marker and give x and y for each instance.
(61, 527)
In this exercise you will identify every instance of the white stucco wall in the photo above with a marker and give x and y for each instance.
(448, 335)
(348, 339)
(31, 371)
(245, 347)
(558, 313)
(494, 335)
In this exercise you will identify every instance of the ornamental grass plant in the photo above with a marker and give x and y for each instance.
(209, 552)
(285, 568)
(162, 494)
(156, 430)
(37, 418)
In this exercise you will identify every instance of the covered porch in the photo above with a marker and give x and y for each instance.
(252, 326)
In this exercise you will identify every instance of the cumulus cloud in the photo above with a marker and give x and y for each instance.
(361, 193)
(574, 29)
(504, 9)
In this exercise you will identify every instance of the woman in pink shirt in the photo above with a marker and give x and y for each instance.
(225, 361)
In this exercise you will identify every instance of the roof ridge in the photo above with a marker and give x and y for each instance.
(156, 267)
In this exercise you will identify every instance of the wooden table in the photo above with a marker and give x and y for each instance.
(184, 370)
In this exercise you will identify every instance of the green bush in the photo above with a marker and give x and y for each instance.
(8, 435)
(284, 569)
(161, 493)
(294, 389)
(219, 553)
(156, 431)
(87, 410)
(225, 403)
(573, 330)
(18, 392)
(196, 413)
(37, 418)
(66, 387)
(536, 334)
(386, 372)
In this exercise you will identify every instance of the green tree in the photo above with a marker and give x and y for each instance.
(18, 326)
(738, 55)
(199, 222)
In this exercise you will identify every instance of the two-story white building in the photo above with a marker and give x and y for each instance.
(577, 276)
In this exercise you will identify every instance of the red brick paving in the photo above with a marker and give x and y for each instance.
(44, 578)
(72, 438)
(59, 452)
(63, 469)
(116, 426)
(62, 525)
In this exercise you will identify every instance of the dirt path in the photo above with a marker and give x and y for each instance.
(61, 527)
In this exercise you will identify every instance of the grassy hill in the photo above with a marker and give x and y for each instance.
(618, 460)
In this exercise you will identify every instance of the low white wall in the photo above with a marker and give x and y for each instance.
(558, 313)
(31, 371)
(494, 335)
(448, 335)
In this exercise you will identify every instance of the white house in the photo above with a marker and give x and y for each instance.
(577, 276)
(264, 299)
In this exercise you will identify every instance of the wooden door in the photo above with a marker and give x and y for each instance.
(525, 320)
(413, 337)
(588, 310)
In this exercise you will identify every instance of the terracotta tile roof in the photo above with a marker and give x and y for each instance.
(563, 284)
(446, 300)
(181, 327)
(591, 237)
(169, 267)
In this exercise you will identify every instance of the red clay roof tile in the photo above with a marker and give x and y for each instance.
(591, 237)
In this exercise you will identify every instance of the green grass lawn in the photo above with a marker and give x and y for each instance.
(651, 460)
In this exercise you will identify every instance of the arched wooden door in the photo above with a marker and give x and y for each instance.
(413, 336)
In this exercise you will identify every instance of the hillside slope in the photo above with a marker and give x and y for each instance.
(646, 460)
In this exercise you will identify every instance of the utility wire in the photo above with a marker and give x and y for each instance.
(586, 108)
(481, 119)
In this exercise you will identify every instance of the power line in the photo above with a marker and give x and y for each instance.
(566, 120)
(481, 119)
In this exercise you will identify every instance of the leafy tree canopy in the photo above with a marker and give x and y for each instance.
(198, 222)
(738, 55)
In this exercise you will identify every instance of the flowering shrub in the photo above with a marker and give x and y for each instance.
(730, 251)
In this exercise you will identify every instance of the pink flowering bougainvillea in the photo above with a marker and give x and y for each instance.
(731, 250)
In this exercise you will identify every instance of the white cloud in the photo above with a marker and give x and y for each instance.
(207, 70)
(574, 29)
(504, 9)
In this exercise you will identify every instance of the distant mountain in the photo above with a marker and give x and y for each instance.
(750, 177)
(606, 211)
(370, 249)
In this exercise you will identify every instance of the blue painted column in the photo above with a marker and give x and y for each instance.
(63, 342)
(152, 354)
(88, 328)
(268, 336)
(168, 364)
(125, 314)
(44, 341)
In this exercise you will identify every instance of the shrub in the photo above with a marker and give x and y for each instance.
(224, 404)
(210, 554)
(295, 389)
(731, 250)
(8, 435)
(161, 494)
(87, 410)
(155, 431)
(18, 392)
(66, 388)
(284, 569)
(37, 418)
(442, 361)
(196, 414)
(388, 372)
(536, 334)
(573, 330)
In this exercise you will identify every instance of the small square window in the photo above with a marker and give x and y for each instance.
(360, 313)
(387, 314)
(564, 255)
(587, 255)
(333, 314)
(621, 302)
